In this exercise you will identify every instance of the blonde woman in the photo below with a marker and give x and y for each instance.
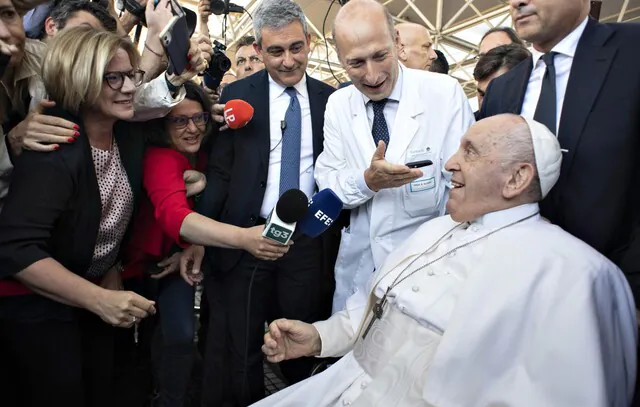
(62, 227)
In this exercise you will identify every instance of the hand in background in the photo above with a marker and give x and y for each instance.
(195, 182)
(169, 265)
(158, 17)
(39, 132)
(118, 308)
(190, 263)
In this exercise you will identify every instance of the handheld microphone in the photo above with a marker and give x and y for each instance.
(237, 113)
(291, 207)
(324, 208)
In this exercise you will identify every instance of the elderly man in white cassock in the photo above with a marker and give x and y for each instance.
(489, 306)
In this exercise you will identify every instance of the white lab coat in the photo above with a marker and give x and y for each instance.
(432, 117)
(527, 317)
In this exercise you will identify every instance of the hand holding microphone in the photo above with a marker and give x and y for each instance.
(261, 247)
(235, 114)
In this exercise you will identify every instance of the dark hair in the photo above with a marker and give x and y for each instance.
(245, 41)
(156, 132)
(440, 65)
(504, 56)
(513, 36)
(64, 10)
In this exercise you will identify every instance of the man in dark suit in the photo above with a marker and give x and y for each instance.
(583, 83)
(249, 169)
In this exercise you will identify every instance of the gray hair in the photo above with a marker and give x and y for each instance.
(277, 14)
(517, 148)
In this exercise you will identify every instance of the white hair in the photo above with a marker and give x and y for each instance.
(517, 148)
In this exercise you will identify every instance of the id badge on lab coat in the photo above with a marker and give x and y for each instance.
(420, 197)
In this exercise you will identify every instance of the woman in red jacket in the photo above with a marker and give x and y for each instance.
(156, 244)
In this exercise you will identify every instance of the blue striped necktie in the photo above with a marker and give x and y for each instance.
(291, 140)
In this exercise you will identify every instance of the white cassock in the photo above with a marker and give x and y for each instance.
(528, 316)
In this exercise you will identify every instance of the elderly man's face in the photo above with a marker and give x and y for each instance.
(285, 52)
(11, 30)
(545, 22)
(478, 178)
(247, 61)
(368, 53)
(417, 48)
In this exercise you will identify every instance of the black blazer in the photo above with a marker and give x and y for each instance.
(53, 207)
(597, 197)
(239, 159)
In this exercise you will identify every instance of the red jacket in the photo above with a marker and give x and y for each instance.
(162, 210)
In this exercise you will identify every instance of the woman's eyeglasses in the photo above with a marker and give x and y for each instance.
(180, 122)
(115, 80)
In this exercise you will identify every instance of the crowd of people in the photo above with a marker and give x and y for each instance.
(481, 259)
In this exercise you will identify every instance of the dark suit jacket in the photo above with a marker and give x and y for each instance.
(53, 208)
(597, 197)
(239, 160)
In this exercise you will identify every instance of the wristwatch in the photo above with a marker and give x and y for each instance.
(172, 88)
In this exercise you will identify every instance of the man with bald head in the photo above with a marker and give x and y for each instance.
(490, 305)
(416, 49)
(582, 83)
(385, 142)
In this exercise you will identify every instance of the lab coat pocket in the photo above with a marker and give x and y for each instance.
(420, 197)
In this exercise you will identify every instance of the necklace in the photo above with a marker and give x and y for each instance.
(378, 307)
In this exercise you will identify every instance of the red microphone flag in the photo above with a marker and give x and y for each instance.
(237, 113)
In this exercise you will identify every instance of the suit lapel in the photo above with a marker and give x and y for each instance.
(317, 103)
(130, 156)
(588, 73)
(518, 85)
(258, 97)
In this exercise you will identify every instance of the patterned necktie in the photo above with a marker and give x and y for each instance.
(380, 131)
(291, 138)
(546, 108)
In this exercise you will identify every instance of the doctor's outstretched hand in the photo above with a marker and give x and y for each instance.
(382, 174)
(289, 339)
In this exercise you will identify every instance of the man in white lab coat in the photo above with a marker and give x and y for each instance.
(489, 306)
(411, 116)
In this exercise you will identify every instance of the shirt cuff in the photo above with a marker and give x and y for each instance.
(335, 335)
(363, 187)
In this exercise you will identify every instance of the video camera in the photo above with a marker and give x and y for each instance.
(220, 64)
(133, 7)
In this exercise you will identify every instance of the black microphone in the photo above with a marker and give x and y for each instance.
(291, 207)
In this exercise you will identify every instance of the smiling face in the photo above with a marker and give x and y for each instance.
(188, 139)
(369, 54)
(11, 30)
(285, 53)
(114, 103)
(546, 22)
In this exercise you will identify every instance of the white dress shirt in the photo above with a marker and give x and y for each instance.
(278, 105)
(390, 109)
(563, 62)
